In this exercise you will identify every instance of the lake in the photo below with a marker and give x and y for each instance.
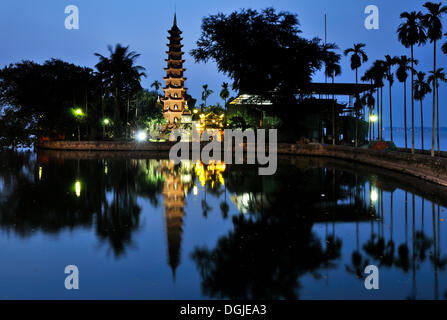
(139, 227)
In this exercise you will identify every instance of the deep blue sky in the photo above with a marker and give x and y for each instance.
(31, 29)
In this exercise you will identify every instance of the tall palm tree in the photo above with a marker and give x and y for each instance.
(156, 85)
(121, 76)
(332, 70)
(206, 93)
(444, 46)
(389, 63)
(404, 65)
(421, 88)
(224, 94)
(432, 21)
(369, 100)
(439, 75)
(377, 74)
(358, 56)
(411, 32)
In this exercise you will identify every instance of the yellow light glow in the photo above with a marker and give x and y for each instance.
(373, 118)
(79, 112)
(374, 195)
(195, 111)
(40, 173)
(78, 188)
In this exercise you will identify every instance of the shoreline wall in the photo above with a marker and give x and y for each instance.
(418, 165)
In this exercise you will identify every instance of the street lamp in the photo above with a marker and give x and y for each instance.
(374, 195)
(373, 118)
(79, 114)
(141, 136)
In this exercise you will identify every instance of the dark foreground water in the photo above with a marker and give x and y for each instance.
(146, 229)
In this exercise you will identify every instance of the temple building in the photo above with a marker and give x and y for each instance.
(175, 99)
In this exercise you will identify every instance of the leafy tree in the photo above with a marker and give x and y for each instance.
(122, 79)
(271, 59)
(29, 90)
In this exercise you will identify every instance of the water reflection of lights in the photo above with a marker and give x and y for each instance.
(78, 188)
(195, 191)
(374, 195)
(40, 173)
(212, 172)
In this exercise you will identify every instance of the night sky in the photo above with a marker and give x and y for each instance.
(35, 30)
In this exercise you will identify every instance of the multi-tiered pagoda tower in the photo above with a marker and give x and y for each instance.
(174, 100)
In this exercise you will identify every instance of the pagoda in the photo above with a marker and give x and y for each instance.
(174, 100)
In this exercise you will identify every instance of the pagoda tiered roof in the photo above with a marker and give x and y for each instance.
(173, 76)
(167, 60)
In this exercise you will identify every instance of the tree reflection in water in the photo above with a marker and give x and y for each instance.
(273, 241)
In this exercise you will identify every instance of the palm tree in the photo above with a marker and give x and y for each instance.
(358, 56)
(332, 70)
(389, 63)
(156, 85)
(439, 76)
(444, 46)
(404, 65)
(205, 94)
(421, 88)
(432, 21)
(411, 32)
(121, 76)
(369, 100)
(224, 94)
(377, 73)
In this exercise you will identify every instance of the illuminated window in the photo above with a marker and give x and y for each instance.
(175, 95)
(175, 107)
(175, 120)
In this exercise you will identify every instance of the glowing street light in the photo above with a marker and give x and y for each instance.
(373, 118)
(78, 188)
(195, 111)
(106, 121)
(374, 196)
(141, 136)
(79, 114)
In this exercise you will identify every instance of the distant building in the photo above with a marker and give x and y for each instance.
(322, 105)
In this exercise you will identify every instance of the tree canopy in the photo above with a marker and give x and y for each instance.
(261, 51)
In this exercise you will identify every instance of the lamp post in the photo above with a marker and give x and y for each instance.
(373, 118)
(105, 123)
(79, 115)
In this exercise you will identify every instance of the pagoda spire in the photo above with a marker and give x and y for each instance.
(174, 100)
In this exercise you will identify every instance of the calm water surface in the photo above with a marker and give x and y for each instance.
(140, 228)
